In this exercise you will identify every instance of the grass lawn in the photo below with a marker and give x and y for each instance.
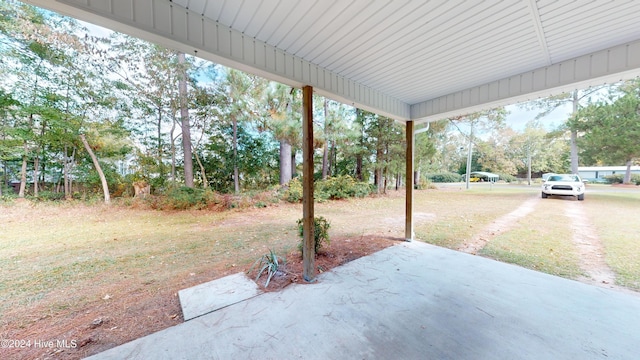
(51, 249)
(459, 215)
(616, 216)
(64, 265)
(540, 241)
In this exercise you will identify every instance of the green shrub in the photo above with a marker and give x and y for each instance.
(334, 188)
(362, 189)
(508, 178)
(182, 198)
(619, 178)
(8, 197)
(424, 184)
(294, 191)
(614, 179)
(339, 187)
(320, 194)
(444, 177)
(50, 196)
(320, 233)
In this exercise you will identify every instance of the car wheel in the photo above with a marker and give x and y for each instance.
(581, 197)
(544, 196)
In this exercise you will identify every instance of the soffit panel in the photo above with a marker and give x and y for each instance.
(580, 27)
(398, 46)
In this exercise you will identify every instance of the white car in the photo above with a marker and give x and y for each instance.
(563, 185)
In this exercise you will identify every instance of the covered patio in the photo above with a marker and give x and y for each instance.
(413, 61)
(416, 62)
(411, 301)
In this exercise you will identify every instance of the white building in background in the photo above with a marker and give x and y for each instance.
(599, 172)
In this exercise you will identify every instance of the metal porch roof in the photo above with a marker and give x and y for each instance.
(407, 59)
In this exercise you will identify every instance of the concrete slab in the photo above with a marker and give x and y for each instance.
(411, 301)
(213, 295)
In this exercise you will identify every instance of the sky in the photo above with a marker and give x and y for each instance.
(518, 117)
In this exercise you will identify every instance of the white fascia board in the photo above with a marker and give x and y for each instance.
(176, 27)
(603, 67)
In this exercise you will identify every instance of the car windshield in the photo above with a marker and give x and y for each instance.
(573, 178)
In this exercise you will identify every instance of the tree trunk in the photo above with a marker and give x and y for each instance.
(70, 179)
(574, 138)
(65, 173)
(173, 152)
(627, 174)
(186, 127)
(57, 187)
(359, 167)
(293, 164)
(469, 157)
(205, 182)
(236, 175)
(416, 178)
(5, 179)
(325, 152)
(529, 166)
(385, 176)
(159, 154)
(359, 155)
(325, 161)
(36, 165)
(285, 162)
(103, 179)
(378, 173)
(66, 162)
(333, 159)
(23, 173)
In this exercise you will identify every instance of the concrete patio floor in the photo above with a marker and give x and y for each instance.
(411, 301)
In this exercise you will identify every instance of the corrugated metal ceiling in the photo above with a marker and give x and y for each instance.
(420, 50)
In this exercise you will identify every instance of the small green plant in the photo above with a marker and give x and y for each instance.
(320, 233)
(268, 262)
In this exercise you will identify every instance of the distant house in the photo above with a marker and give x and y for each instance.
(15, 185)
(599, 172)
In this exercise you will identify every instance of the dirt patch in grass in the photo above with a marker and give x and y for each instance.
(341, 251)
(589, 247)
(501, 224)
